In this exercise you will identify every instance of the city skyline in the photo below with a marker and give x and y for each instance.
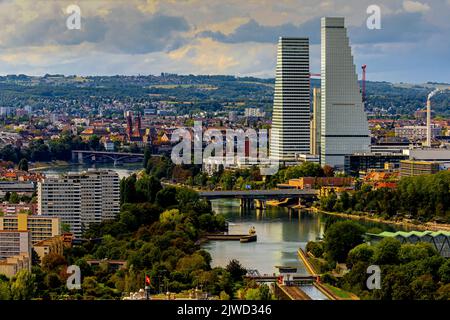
(150, 37)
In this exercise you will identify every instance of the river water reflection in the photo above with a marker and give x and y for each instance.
(280, 231)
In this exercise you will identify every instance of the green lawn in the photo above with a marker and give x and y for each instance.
(341, 293)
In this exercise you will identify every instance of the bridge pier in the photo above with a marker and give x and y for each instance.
(260, 204)
(80, 158)
(247, 203)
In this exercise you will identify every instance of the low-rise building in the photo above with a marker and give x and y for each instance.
(440, 240)
(53, 245)
(10, 266)
(409, 168)
(319, 182)
(416, 133)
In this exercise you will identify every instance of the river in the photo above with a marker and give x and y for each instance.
(280, 231)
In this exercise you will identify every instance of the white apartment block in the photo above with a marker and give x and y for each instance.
(344, 123)
(80, 199)
(254, 113)
(291, 107)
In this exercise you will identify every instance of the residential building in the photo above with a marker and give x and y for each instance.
(291, 107)
(40, 227)
(52, 245)
(254, 113)
(80, 199)
(15, 208)
(344, 127)
(14, 243)
(10, 266)
(23, 188)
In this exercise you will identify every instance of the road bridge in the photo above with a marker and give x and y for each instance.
(257, 198)
(82, 156)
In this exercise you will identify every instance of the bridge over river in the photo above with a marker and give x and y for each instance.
(257, 198)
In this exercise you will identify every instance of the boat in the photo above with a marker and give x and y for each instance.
(286, 269)
(249, 238)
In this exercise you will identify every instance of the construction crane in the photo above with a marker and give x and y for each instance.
(363, 67)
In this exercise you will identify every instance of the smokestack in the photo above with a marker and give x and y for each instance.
(428, 144)
(430, 95)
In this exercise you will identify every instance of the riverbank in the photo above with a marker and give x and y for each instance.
(48, 165)
(405, 223)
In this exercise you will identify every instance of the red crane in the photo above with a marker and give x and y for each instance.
(363, 67)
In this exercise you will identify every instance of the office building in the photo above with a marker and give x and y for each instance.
(417, 133)
(344, 127)
(364, 162)
(389, 146)
(40, 227)
(291, 107)
(409, 168)
(80, 199)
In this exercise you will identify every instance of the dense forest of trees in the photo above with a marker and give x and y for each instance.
(423, 198)
(408, 271)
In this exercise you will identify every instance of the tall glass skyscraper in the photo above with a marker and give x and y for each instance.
(291, 107)
(344, 122)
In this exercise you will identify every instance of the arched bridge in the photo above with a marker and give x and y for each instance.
(81, 156)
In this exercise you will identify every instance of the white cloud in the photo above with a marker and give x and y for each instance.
(415, 6)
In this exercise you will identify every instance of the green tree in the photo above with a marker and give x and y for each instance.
(147, 187)
(167, 197)
(341, 237)
(14, 198)
(444, 271)
(361, 253)
(23, 164)
(147, 156)
(23, 285)
(236, 270)
(171, 216)
(5, 292)
(387, 251)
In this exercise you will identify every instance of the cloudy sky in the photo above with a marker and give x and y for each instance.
(218, 36)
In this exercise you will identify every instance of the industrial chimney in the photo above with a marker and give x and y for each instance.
(432, 93)
(428, 143)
